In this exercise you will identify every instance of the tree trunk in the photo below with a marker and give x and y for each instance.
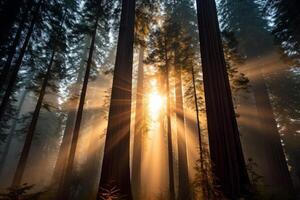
(205, 188)
(278, 175)
(29, 136)
(92, 165)
(12, 51)
(8, 16)
(170, 147)
(12, 132)
(139, 127)
(183, 182)
(66, 182)
(17, 66)
(225, 148)
(67, 136)
(115, 168)
(257, 44)
(169, 127)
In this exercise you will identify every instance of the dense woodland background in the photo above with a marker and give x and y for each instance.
(145, 99)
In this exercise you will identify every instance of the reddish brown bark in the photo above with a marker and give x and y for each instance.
(115, 168)
(225, 148)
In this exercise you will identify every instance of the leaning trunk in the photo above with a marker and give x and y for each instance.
(66, 181)
(139, 126)
(115, 168)
(28, 140)
(183, 179)
(12, 51)
(225, 148)
(17, 66)
(68, 131)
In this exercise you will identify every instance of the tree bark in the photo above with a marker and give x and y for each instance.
(183, 179)
(17, 66)
(66, 182)
(115, 167)
(139, 127)
(225, 148)
(29, 136)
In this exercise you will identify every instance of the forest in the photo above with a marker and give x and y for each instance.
(149, 99)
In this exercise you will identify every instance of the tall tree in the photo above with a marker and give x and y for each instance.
(139, 125)
(56, 43)
(160, 47)
(16, 40)
(258, 45)
(18, 63)
(65, 184)
(68, 130)
(224, 142)
(145, 11)
(115, 168)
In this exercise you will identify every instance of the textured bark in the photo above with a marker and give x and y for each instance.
(66, 181)
(13, 78)
(29, 136)
(12, 131)
(8, 16)
(115, 167)
(225, 148)
(183, 176)
(139, 126)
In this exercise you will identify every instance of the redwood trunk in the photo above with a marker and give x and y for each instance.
(115, 167)
(169, 128)
(139, 126)
(183, 179)
(28, 140)
(225, 148)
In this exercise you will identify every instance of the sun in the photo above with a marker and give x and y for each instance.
(155, 103)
